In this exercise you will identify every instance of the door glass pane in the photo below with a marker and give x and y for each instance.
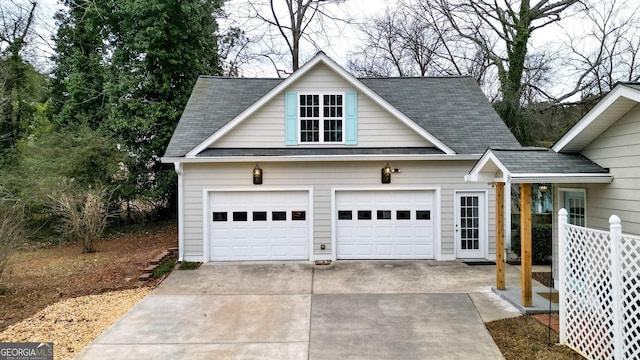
(469, 223)
(384, 214)
(344, 215)
(279, 216)
(403, 215)
(574, 203)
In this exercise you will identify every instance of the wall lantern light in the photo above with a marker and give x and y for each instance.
(257, 175)
(543, 188)
(386, 174)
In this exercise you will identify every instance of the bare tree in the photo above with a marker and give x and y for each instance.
(16, 25)
(277, 31)
(604, 51)
(400, 44)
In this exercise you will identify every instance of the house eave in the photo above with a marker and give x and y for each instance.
(561, 178)
(586, 128)
(327, 158)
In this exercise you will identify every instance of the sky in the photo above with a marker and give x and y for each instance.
(342, 39)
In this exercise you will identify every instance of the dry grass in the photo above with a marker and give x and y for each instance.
(37, 278)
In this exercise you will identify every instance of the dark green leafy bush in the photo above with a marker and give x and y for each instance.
(541, 235)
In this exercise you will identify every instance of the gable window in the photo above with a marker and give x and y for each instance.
(321, 118)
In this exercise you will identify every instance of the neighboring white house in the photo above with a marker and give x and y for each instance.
(595, 166)
(325, 166)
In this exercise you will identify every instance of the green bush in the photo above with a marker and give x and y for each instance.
(540, 242)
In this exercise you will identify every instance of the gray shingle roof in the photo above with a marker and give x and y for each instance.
(213, 103)
(545, 161)
(452, 109)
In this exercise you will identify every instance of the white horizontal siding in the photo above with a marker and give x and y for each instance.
(448, 175)
(376, 127)
(617, 149)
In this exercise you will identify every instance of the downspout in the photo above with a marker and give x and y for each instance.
(507, 217)
(179, 170)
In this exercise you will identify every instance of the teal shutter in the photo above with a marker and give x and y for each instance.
(351, 118)
(291, 118)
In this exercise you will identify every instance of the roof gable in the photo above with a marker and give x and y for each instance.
(324, 59)
(610, 109)
(377, 127)
(451, 113)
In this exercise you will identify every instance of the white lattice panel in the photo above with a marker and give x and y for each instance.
(630, 291)
(600, 291)
(587, 287)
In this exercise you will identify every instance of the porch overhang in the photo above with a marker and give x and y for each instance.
(536, 165)
(526, 166)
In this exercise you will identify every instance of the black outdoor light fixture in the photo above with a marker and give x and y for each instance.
(257, 175)
(543, 188)
(386, 174)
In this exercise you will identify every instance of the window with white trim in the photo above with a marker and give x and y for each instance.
(321, 118)
(575, 203)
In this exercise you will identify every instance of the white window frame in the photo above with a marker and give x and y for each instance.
(321, 119)
(561, 197)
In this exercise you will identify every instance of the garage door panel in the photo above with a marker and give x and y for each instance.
(400, 225)
(259, 225)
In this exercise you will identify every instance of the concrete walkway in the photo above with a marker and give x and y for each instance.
(353, 310)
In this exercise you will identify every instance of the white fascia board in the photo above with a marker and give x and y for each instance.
(561, 178)
(488, 156)
(593, 115)
(311, 158)
(320, 57)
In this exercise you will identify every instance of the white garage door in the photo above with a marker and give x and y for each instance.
(385, 224)
(259, 225)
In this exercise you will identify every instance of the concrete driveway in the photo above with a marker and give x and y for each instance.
(354, 310)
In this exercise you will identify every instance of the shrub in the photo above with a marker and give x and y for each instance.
(83, 214)
(540, 243)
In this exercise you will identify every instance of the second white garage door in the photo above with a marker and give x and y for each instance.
(385, 224)
(259, 225)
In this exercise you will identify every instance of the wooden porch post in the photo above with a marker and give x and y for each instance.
(500, 285)
(525, 243)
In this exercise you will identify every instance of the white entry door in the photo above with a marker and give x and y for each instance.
(470, 225)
